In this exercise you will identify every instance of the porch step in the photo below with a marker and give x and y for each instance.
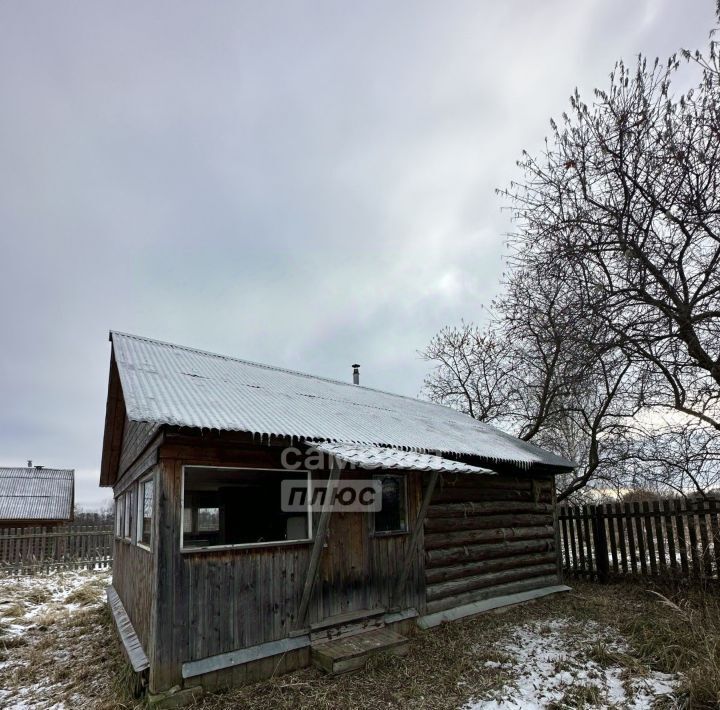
(348, 624)
(351, 653)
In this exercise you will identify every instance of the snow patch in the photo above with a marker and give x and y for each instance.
(562, 661)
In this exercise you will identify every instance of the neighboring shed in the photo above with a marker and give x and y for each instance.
(216, 583)
(36, 496)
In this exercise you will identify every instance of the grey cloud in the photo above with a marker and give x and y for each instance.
(306, 184)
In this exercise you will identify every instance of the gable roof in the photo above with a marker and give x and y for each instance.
(30, 495)
(169, 384)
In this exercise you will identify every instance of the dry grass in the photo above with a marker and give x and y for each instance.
(446, 667)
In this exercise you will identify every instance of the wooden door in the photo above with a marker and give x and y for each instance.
(345, 566)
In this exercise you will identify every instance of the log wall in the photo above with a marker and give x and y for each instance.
(488, 536)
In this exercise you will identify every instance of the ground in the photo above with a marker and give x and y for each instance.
(616, 646)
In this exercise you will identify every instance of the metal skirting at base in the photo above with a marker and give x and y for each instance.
(460, 612)
(244, 655)
(133, 648)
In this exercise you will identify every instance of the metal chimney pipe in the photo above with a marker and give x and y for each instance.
(356, 374)
(29, 463)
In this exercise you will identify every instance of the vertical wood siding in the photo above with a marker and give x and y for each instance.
(136, 436)
(488, 536)
(210, 603)
(133, 574)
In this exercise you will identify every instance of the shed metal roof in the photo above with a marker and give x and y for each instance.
(171, 384)
(32, 494)
(378, 457)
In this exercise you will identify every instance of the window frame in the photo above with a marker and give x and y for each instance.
(247, 545)
(119, 516)
(404, 485)
(127, 532)
(140, 510)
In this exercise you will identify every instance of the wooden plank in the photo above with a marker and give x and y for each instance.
(317, 549)
(468, 583)
(444, 574)
(682, 541)
(660, 536)
(705, 554)
(488, 592)
(715, 532)
(565, 539)
(455, 524)
(607, 515)
(435, 541)
(640, 536)
(587, 526)
(667, 508)
(573, 538)
(693, 538)
(650, 538)
(600, 545)
(631, 537)
(580, 541)
(345, 655)
(468, 509)
(411, 546)
(622, 542)
(243, 655)
(467, 553)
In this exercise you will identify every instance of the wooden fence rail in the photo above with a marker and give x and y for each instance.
(660, 538)
(43, 549)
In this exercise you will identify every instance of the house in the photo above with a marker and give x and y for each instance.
(220, 577)
(36, 496)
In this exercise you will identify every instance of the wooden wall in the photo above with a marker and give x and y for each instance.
(136, 437)
(133, 574)
(488, 536)
(213, 602)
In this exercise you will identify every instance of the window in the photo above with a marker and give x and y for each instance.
(145, 511)
(392, 517)
(233, 506)
(128, 507)
(119, 522)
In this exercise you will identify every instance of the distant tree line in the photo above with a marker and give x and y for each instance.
(605, 343)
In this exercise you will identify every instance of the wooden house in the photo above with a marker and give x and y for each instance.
(215, 583)
(36, 496)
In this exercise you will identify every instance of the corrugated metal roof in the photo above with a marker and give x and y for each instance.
(375, 457)
(36, 494)
(176, 385)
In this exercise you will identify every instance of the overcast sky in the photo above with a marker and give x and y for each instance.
(307, 184)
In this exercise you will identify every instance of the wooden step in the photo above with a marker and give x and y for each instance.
(351, 653)
(347, 617)
(347, 624)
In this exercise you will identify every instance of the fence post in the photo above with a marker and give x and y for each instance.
(602, 564)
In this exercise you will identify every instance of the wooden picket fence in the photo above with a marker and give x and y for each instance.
(35, 550)
(671, 538)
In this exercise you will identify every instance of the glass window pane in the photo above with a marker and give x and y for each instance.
(230, 506)
(148, 493)
(391, 517)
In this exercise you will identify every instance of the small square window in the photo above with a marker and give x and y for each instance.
(392, 517)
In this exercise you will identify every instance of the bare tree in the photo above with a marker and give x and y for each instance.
(626, 196)
(610, 317)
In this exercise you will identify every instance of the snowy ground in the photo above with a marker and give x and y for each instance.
(54, 642)
(59, 651)
(566, 663)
